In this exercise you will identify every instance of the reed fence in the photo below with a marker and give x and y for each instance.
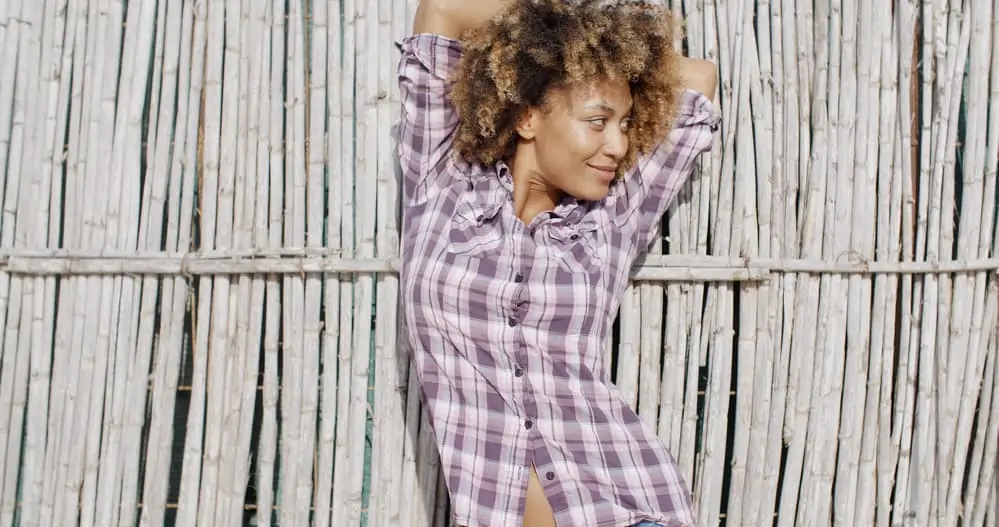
(198, 246)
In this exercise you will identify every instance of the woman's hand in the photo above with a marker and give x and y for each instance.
(699, 75)
(451, 18)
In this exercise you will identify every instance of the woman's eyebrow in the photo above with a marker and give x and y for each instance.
(601, 106)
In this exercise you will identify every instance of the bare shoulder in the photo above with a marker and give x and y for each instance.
(699, 75)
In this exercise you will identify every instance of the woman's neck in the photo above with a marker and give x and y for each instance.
(532, 194)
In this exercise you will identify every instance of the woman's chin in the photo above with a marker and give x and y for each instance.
(593, 192)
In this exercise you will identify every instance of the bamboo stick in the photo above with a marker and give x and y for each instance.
(128, 398)
(270, 213)
(9, 358)
(918, 247)
(215, 196)
(301, 407)
(312, 130)
(228, 502)
(365, 185)
(717, 334)
(928, 490)
(256, 211)
(13, 401)
(346, 478)
(138, 296)
(249, 326)
(180, 197)
(56, 54)
(650, 347)
(874, 451)
(745, 241)
(39, 100)
(799, 140)
(117, 289)
(354, 306)
(923, 467)
(107, 290)
(827, 383)
(68, 509)
(756, 404)
(983, 489)
(683, 331)
(627, 346)
(813, 183)
(911, 309)
(784, 228)
(188, 503)
(10, 32)
(65, 363)
(969, 301)
(292, 287)
(948, 381)
(442, 504)
(388, 442)
(329, 17)
(976, 498)
(858, 385)
(150, 225)
(15, 369)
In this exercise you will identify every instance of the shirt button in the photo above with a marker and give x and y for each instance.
(512, 321)
(519, 278)
(550, 476)
(517, 372)
(528, 424)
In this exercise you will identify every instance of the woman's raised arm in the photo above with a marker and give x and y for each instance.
(451, 18)
(699, 75)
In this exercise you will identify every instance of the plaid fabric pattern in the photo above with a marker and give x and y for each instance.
(506, 322)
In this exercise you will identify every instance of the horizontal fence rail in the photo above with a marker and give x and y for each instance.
(655, 268)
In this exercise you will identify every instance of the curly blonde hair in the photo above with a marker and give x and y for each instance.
(513, 62)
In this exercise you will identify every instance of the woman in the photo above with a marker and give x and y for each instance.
(539, 152)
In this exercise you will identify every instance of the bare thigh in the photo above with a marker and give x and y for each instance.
(537, 511)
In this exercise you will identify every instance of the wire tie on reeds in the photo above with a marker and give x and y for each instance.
(185, 270)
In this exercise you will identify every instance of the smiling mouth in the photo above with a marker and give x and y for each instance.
(608, 171)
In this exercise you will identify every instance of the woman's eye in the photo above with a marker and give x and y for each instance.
(599, 122)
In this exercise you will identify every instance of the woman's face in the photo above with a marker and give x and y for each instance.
(580, 139)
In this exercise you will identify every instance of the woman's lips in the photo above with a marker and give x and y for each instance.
(605, 173)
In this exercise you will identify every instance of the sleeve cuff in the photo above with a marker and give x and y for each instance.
(435, 52)
(697, 109)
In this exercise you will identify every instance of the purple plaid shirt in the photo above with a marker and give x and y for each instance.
(506, 322)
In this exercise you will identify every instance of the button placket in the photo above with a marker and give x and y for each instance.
(517, 314)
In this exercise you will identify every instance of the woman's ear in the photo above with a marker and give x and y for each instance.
(527, 124)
